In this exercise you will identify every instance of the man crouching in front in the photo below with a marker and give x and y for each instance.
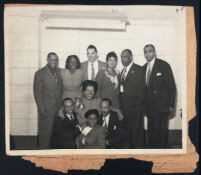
(65, 128)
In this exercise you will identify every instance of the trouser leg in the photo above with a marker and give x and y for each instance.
(157, 131)
(45, 131)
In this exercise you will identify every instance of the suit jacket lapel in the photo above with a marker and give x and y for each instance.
(85, 67)
(130, 72)
(109, 127)
(99, 65)
(49, 73)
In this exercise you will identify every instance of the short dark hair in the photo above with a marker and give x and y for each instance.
(51, 53)
(67, 98)
(150, 45)
(111, 54)
(129, 51)
(68, 61)
(90, 112)
(92, 47)
(108, 100)
(89, 83)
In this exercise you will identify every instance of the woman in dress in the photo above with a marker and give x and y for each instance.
(107, 80)
(89, 100)
(93, 135)
(72, 77)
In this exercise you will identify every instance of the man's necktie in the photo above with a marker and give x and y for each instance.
(148, 73)
(123, 77)
(92, 71)
(70, 116)
(104, 124)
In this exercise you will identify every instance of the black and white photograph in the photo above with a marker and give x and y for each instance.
(111, 79)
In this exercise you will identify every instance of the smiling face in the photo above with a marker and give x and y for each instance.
(92, 120)
(73, 64)
(149, 53)
(68, 107)
(89, 93)
(105, 108)
(53, 61)
(92, 54)
(112, 62)
(126, 58)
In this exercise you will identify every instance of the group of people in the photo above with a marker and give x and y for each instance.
(91, 105)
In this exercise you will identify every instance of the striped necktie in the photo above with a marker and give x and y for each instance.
(105, 124)
(92, 71)
(123, 77)
(148, 73)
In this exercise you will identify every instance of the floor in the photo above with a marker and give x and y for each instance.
(30, 142)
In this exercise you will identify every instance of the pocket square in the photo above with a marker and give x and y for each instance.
(115, 127)
(158, 74)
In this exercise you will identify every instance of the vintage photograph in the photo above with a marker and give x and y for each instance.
(111, 79)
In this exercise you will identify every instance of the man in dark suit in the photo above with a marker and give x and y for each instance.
(132, 99)
(159, 97)
(65, 128)
(93, 65)
(48, 96)
(115, 130)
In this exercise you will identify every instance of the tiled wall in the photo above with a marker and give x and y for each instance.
(25, 49)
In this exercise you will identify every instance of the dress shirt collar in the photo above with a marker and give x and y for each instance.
(70, 116)
(95, 63)
(129, 66)
(128, 69)
(152, 63)
(53, 70)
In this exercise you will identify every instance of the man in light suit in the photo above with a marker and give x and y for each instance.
(159, 97)
(48, 96)
(93, 65)
(132, 99)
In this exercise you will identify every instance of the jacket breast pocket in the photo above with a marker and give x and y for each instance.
(159, 80)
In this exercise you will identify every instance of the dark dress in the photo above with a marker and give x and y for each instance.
(108, 87)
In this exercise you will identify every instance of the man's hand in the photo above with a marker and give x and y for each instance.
(107, 143)
(60, 113)
(171, 110)
(120, 115)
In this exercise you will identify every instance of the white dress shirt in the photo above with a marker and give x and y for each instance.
(95, 63)
(106, 120)
(69, 116)
(151, 63)
(128, 68)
